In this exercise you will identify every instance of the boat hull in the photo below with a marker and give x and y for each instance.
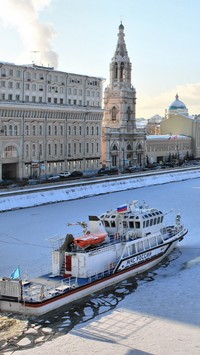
(121, 273)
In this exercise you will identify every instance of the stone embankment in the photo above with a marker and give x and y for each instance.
(40, 195)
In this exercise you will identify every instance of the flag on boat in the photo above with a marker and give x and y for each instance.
(16, 273)
(122, 209)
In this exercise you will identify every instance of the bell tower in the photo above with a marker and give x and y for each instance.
(121, 140)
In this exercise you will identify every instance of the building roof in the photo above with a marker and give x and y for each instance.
(167, 137)
(177, 104)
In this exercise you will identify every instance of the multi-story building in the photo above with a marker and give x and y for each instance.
(49, 121)
(123, 143)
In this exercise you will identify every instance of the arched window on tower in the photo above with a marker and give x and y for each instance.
(122, 71)
(116, 71)
(128, 113)
(114, 147)
(114, 113)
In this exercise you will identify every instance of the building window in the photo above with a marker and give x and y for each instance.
(5, 130)
(18, 73)
(49, 149)
(87, 147)
(114, 113)
(74, 148)
(27, 86)
(27, 151)
(56, 150)
(49, 100)
(69, 150)
(40, 150)
(80, 148)
(87, 131)
(33, 98)
(80, 130)
(10, 130)
(69, 130)
(10, 152)
(33, 150)
(74, 130)
(10, 85)
(97, 147)
(74, 102)
(69, 102)
(61, 130)
(17, 97)
(10, 97)
(40, 130)
(61, 101)
(40, 99)
(49, 130)
(15, 130)
(97, 131)
(34, 130)
(55, 100)
(27, 130)
(55, 130)
(27, 98)
(3, 84)
(61, 149)
(69, 91)
(34, 87)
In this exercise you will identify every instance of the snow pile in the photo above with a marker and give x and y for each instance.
(40, 196)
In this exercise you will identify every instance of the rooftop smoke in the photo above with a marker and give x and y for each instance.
(36, 36)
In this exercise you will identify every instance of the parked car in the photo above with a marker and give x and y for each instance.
(76, 173)
(5, 183)
(108, 171)
(64, 174)
(53, 177)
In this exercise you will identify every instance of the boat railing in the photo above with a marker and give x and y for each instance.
(38, 291)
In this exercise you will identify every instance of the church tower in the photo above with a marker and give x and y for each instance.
(123, 145)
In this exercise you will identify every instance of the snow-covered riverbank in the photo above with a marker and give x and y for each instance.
(75, 190)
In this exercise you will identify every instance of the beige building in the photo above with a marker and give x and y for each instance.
(178, 122)
(123, 143)
(50, 121)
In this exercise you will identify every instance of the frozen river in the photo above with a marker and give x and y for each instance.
(170, 292)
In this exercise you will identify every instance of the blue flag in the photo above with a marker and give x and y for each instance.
(15, 274)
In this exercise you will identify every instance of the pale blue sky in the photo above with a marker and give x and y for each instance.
(162, 38)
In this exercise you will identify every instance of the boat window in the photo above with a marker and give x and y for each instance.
(140, 246)
(147, 223)
(137, 217)
(131, 217)
(106, 223)
(113, 216)
(158, 219)
(132, 249)
(146, 244)
(155, 221)
(131, 224)
(112, 223)
(151, 222)
(137, 224)
(159, 238)
(161, 219)
(125, 224)
(153, 242)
